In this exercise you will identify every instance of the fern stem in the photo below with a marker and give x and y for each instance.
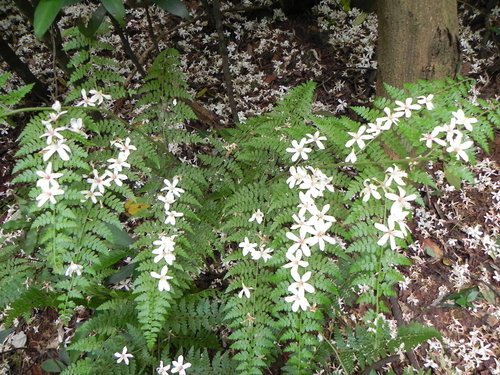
(337, 355)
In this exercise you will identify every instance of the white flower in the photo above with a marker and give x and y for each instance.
(461, 119)
(351, 158)
(244, 291)
(86, 102)
(90, 194)
(301, 224)
(73, 268)
(390, 119)
(179, 366)
(98, 182)
(163, 279)
(263, 252)
(257, 216)
(398, 216)
(321, 215)
(402, 200)
(299, 149)
(165, 254)
(316, 138)
(166, 243)
(297, 175)
(301, 243)
(123, 356)
(375, 129)
(56, 107)
(76, 125)
(359, 138)
(298, 301)
(247, 246)
(171, 187)
(406, 107)
(432, 137)
(295, 262)
(48, 194)
(301, 285)
(427, 101)
(162, 370)
(170, 216)
(306, 203)
(320, 235)
(125, 147)
(98, 96)
(116, 177)
(459, 148)
(396, 175)
(118, 164)
(47, 178)
(390, 234)
(52, 133)
(60, 147)
(369, 190)
(450, 130)
(167, 200)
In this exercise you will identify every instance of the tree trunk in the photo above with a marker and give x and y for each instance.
(417, 39)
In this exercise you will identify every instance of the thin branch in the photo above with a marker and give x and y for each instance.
(225, 60)
(151, 30)
(381, 363)
(23, 70)
(127, 48)
(398, 315)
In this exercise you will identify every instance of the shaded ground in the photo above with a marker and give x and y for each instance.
(456, 232)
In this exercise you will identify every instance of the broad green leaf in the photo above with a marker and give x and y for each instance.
(175, 7)
(95, 21)
(53, 366)
(121, 239)
(452, 177)
(116, 9)
(359, 19)
(5, 333)
(45, 13)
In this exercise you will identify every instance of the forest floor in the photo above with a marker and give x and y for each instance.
(454, 282)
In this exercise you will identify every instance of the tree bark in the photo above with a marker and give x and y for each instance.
(417, 39)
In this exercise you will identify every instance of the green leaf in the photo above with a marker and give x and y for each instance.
(122, 274)
(453, 177)
(120, 238)
(45, 13)
(53, 365)
(414, 334)
(359, 19)
(94, 23)
(116, 9)
(5, 333)
(175, 7)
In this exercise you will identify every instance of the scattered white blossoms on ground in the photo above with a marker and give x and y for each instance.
(123, 356)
